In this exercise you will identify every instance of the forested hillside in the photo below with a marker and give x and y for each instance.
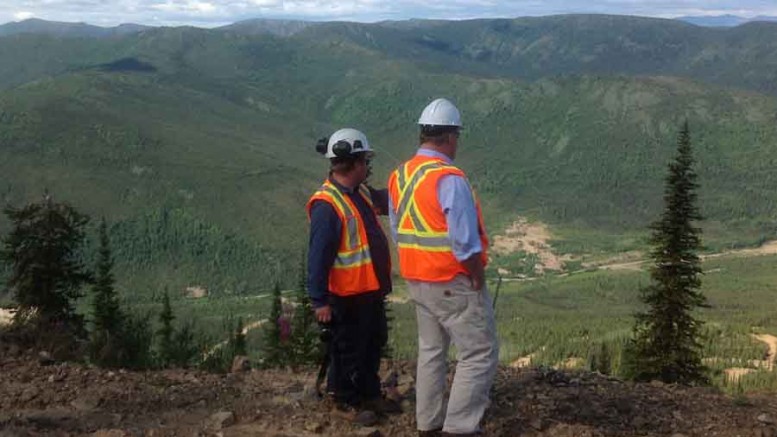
(198, 144)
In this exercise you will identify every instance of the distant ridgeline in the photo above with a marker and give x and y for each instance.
(128, 65)
(197, 145)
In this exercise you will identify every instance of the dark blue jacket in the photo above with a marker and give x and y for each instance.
(325, 233)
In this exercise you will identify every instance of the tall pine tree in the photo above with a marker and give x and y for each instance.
(185, 348)
(666, 342)
(240, 347)
(47, 273)
(166, 332)
(305, 337)
(108, 319)
(273, 351)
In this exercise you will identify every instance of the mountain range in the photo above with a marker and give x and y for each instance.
(284, 27)
(724, 20)
(197, 144)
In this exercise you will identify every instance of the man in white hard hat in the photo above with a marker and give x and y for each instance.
(349, 273)
(437, 223)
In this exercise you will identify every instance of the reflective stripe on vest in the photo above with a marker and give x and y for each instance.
(421, 236)
(425, 249)
(352, 271)
(357, 252)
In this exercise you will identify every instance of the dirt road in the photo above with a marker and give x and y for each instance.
(6, 316)
(770, 341)
(769, 248)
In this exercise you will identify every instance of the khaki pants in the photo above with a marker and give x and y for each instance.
(452, 311)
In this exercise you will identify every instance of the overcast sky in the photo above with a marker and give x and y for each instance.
(208, 13)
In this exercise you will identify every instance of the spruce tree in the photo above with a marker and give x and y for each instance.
(240, 339)
(166, 332)
(272, 347)
(666, 341)
(185, 348)
(46, 271)
(600, 359)
(106, 345)
(304, 340)
(136, 342)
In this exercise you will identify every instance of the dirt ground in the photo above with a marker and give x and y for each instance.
(65, 399)
(635, 260)
(771, 342)
(530, 238)
(535, 237)
(6, 316)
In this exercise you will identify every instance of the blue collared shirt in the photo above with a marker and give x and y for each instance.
(325, 233)
(455, 197)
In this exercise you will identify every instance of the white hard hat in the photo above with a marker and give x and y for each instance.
(346, 142)
(440, 112)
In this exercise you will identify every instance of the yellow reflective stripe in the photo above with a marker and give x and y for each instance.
(426, 234)
(413, 179)
(438, 241)
(401, 181)
(355, 259)
(342, 203)
(424, 248)
(357, 252)
(406, 192)
(415, 218)
(401, 177)
(421, 173)
(421, 237)
(365, 192)
(424, 225)
(351, 266)
(426, 241)
(352, 237)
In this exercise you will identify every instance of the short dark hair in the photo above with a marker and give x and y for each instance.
(436, 134)
(345, 164)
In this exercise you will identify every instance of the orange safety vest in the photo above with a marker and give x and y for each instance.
(425, 252)
(353, 271)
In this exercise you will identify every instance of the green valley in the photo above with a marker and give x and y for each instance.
(197, 146)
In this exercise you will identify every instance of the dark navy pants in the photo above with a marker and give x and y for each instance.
(359, 333)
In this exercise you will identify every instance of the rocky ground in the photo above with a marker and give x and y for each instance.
(38, 397)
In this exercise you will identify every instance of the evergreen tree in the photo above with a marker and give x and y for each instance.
(166, 332)
(46, 272)
(600, 359)
(666, 342)
(185, 347)
(304, 340)
(136, 341)
(272, 347)
(107, 316)
(239, 339)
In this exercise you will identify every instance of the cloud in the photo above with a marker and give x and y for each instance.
(185, 7)
(215, 12)
(22, 15)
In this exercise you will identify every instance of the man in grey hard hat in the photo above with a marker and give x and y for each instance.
(437, 223)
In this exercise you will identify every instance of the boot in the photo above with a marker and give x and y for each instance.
(361, 417)
(383, 405)
(430, 433)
